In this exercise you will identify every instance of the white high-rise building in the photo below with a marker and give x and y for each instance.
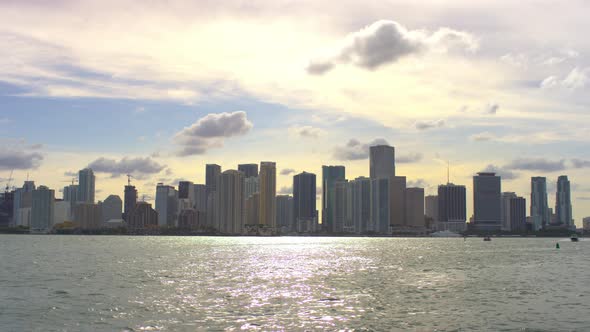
(42, 209)
(229, 195)
(166, 205)
(86, 186)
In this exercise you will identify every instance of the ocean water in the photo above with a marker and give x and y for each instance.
(119, 283)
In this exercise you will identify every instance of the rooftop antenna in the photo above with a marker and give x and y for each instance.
(129, 179)
(448, 172)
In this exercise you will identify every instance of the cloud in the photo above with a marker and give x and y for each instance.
(210, 131)
(482, 137)
(355, 150)
(385, 42)
(583, 198)
(506, 174)
(408, 158)
(135, 166)
(419, 183)
(20, 160)
(37, 146)
(577, 78)
(536, 164)
(580, 163)
(491, 108)
(307, 131)
(70, 173)
(287, 171)
(285, 191)
(424, 125)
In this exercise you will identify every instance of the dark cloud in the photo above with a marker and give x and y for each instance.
(210, 132)
(580, 163)
(408, 158)
(307, 131)
(506, 174)
(424, 125)
(134, 166)
(70, 173)
(536, 164)
(287, 171)
(20, 160)
(385, 42)
(355, 150)
(37, 146)
(285, 191)
(492, 108)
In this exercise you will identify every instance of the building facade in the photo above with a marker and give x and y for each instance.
(166, 205)
(540, 215)
(487, 206)
(42, 209)
(563, 202)
(230, 202)
(268, 192)
(330, 175)
(86, 186)
(249, 170)
(452, 208)
(382, 161)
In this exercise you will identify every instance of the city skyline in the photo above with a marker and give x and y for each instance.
(460, 91)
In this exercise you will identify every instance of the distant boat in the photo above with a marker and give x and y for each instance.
(445, 234)
(487, 238)
(574, 238)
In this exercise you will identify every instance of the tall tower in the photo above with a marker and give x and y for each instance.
(230, 202)
(212, 172)
(563, 202)
(86, 186)
(452, 208)
(130, 198)
(268, 191)
(487, 206)
(304, 198)
(42, 209)
(382, 161)
(166, 205)
(330, 175)
(539, 208)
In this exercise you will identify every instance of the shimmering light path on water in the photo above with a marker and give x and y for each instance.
(101, 283)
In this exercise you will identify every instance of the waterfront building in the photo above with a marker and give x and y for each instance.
(130, 198)
(539, 208)
(361, 203)
(330, 175)
(212, 172)
(506, 211)
(397, 202)
(487, 207)
(304, 198)
(111, 208)
(229, 196)
(86, 186)
(285, 213)
(42, 209)
(88, 216)
(518, 214)
(142, 218)
(563, 202)
(452, 208)
(268, 188)
(415, 208)
(166, 205)
(382, 161)
(249, 170)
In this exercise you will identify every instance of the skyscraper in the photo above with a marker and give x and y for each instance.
(86, 186)
(397, 201)
(506, 212)
(431, 207)
(166, 205)
(304, 198)
(382, 161)
(130, 201)
(452, 208)
(212, 172)
(285, 213)
(70, 194)
(330, 174)
(268, 188)
(487, 213)
(185, 190)
(200, 199)
(415, 207)
(361, 204)
(251, 186)
(42, 209)
(230, 202)
(563, 202)
(539, 207)
(88, 215)
(111, 208)
(22, 203)
(142, 218)
(518, 214)
(341, 214)
(380, 206)
(249, 170)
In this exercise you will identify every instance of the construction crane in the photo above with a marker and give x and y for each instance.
(129, 177)
(8, 181)
(73, 180)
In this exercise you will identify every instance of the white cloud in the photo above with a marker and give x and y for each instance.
(306, 131)
(576, 79)
(423, 125)
(355, 150)
(136, 166)
(387, 41)
(210, 132)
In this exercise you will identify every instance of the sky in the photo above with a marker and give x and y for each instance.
(158, 89)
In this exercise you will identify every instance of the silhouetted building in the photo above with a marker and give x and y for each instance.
(111, 208)
(382, 161)
(268, 189)
(431, 207)
(397, 202)
(304, 198)
(330, 175)
(166, 205)
(22, 199)
(487, 213)
(42, 209)
(361, 203)
(252, 209)
(142, 218)
(341, 212)
(251, 186)
(380, 206)
(229, 195)
(86, 186)
(415, 208)
(185, 190)
(62, 212)
(6, 208)
(452, 208)
(88, 216)
(539, 207)
(518, 214)
(249, 170)
(130, 200)
(200, 197)
(285, 213)
(506, 213)
(563, 202)
(191, 219)
(212, 172)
